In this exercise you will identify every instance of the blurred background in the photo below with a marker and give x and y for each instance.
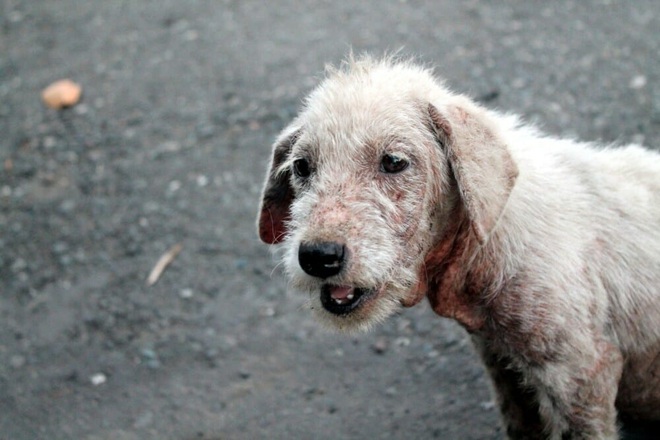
(166, 152)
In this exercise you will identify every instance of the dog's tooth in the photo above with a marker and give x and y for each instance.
(350, 296)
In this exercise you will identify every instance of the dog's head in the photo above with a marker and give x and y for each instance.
(375, 170)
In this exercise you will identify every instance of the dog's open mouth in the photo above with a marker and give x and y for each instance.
(341, 300)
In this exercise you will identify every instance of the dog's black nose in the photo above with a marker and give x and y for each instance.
(321, 260)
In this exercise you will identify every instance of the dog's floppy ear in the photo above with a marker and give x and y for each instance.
(277, 194)
(480, 161)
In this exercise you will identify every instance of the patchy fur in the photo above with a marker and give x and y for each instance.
(547, 251)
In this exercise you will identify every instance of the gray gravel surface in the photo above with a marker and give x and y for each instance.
(169, 145)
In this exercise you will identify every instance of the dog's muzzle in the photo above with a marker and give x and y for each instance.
(324, 260)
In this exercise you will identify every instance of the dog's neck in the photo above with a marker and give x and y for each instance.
(454, 285)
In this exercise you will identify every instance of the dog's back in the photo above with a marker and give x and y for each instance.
(588, 219)
(600, 209)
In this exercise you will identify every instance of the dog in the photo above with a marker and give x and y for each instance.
(388, 188)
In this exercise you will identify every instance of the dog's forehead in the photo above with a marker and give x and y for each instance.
(362, 104)
(370, 101)
(360, 121)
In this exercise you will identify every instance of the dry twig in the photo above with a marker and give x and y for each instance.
(162, 263)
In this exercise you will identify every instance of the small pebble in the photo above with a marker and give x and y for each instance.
(61, 94)
(202, 180)
(186, 293)
(402, 342)
(488, 405)
(148, 353)
(638, 82)
(98, 379)
(150, 358)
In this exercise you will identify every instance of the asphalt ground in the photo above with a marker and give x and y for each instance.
(169, 146)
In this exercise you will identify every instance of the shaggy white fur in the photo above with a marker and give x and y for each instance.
(547, 251)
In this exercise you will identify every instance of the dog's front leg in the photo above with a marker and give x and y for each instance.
(517, 402)
(577, 394)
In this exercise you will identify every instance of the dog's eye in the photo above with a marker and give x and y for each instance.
(301, 168)
(393, 164)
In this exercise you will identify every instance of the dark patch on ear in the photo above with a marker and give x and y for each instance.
(277, 194)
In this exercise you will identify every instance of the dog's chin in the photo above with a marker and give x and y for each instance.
(353, 309)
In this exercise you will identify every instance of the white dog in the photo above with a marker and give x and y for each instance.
(388, 188)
